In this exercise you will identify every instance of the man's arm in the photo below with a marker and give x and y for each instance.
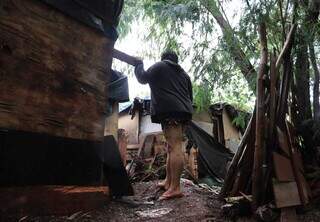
(141, 75)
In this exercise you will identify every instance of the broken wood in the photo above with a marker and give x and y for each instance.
(233, 166)
(267, 159)
(297, 164)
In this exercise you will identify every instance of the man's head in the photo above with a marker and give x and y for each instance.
(169, 55)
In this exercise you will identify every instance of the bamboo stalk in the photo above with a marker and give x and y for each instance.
(260, 119)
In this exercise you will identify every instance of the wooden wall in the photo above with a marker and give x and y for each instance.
(53, 72)
(232, 135)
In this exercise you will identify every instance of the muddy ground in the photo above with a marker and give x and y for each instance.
(198, 204)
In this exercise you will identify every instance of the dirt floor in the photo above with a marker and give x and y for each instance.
(198, 204)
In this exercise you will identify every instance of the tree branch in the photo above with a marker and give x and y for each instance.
(233, 43)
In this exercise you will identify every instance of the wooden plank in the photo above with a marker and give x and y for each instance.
(288, 214)
(232, 171)
(286, 194)
(283, 142)
(303, 187)
(245, 168)
(283, 168)
(54, 72)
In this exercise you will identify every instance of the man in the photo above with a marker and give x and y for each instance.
(171, 105)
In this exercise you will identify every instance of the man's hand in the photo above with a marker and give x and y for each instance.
(137, 61)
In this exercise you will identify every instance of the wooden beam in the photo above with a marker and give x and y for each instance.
(231, 174)
(131, 60)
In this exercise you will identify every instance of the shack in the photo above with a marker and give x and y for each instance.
(204, 155)
(55, 65)
(224, 128)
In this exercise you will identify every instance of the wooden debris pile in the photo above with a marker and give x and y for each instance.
(150, 160)
(268, 164)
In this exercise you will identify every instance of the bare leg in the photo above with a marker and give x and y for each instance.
(174, 138)
(166, 183)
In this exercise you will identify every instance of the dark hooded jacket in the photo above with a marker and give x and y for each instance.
(171, 90)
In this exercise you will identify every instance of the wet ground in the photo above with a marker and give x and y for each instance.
(198, 204)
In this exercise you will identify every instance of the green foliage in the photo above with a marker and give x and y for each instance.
(240, 120)
(202, 97)
(188, 26)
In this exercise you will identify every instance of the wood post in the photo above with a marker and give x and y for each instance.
(260, 120)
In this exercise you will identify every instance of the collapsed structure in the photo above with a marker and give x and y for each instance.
(204, 155)
(268, 160)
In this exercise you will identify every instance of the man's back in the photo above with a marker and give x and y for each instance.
(171, 90)
(171, 99)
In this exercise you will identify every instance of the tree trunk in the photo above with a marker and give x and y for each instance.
(302, 79)
(257, 176)
(316, 94)
(312, 16)
(233, 43)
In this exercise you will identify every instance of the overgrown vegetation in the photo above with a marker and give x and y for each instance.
(223, 59)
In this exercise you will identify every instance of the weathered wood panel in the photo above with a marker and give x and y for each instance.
(53, 72)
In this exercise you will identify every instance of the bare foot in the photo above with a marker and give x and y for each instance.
(171, 194)
(163, 185)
